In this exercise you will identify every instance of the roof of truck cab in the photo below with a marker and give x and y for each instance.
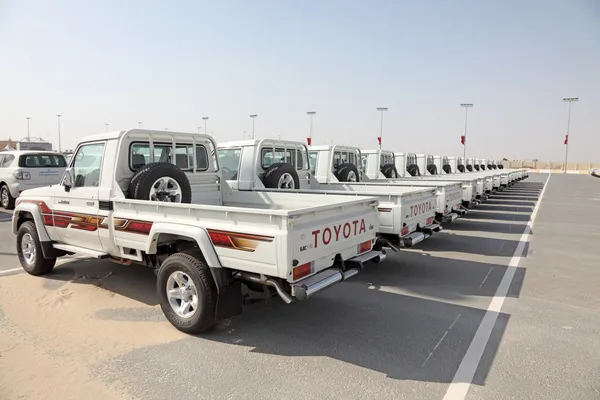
(376, 151)
(118, 134)
(254, 142)
(330, 146)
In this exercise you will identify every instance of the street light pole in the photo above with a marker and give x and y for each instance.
(310, 115)
(28, 138)
(58, 120)
(205, 119)
(198, 129)
(139, 124)
(253, 116)
(105, 127)
(466, 106)
(570, 100)
(381, 110)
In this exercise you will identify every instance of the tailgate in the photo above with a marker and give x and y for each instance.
(419, 209)
(318, 237)
(454, 197)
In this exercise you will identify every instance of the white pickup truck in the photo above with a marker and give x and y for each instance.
(380, 166)
(156, 198)
(263, 166)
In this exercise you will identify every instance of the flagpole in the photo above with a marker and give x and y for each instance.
(570, 100)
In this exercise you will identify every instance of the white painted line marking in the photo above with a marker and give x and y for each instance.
(10, 271)
(485, 279)
(458, 389)
(440, 341)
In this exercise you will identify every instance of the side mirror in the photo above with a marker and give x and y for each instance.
(68, 179)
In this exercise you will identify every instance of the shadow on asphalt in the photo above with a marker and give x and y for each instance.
(392, 334)
(136, 282)
(498, 207)
(396, 318)
(486, 226)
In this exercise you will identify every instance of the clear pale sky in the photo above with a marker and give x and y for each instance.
(168, 63)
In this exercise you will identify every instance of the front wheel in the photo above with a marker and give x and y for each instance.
(29, 251)
(187, 292)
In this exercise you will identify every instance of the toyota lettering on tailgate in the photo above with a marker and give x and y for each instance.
(421, 208)
(337, 232)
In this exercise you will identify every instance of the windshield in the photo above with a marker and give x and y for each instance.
(229, 161)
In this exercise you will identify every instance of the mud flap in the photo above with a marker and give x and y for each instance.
(230, 301)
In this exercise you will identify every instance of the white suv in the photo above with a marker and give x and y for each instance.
(22, 170)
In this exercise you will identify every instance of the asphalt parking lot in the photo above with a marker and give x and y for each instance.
(479, 311)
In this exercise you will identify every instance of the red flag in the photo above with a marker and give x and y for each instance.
(462, 140)
(379, 140)
(308, 140)
(566, 139)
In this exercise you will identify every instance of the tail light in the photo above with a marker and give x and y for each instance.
(446, 210)
(429, 220)
(301, 271)
(404, 231)
(364, 247)
(22, 175)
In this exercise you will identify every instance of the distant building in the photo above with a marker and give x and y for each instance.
(33, 143)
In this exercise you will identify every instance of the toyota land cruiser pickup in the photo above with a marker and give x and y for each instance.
(157, 198)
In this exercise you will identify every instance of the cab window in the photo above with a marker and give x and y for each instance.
(293, 156)
(184, 155)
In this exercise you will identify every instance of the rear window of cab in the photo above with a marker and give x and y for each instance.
(42, 161)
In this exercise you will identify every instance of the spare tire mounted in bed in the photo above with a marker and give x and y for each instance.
(160, 182)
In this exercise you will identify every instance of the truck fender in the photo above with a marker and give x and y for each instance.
(33, 210)
(199, 235)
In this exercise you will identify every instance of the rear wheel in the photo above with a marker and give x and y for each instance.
(6, 199)
(187, 292)
(29, 251)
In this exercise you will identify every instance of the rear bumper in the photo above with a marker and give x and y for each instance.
(322, 280)
(447, 218)
(414, 238)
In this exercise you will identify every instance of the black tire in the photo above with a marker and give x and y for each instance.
(39, 265)
(346, 171)
(147, 177)
(461, 168)
(7, 201)
(389, 171)
(447, 169)
(141, 171)
(192, 264)
(276, 172)
(432, 169)
(413, 170)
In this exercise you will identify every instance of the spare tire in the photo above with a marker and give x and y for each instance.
(389, 171)
(347, 173)
(281, 176)
(140, 172)
(461, 168)
(447, 169)
(413, 170)
(432, 169)
(161, 182)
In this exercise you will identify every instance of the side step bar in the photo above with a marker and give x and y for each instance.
(80, 250)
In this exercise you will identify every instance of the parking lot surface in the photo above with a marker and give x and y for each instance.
(410, 328)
